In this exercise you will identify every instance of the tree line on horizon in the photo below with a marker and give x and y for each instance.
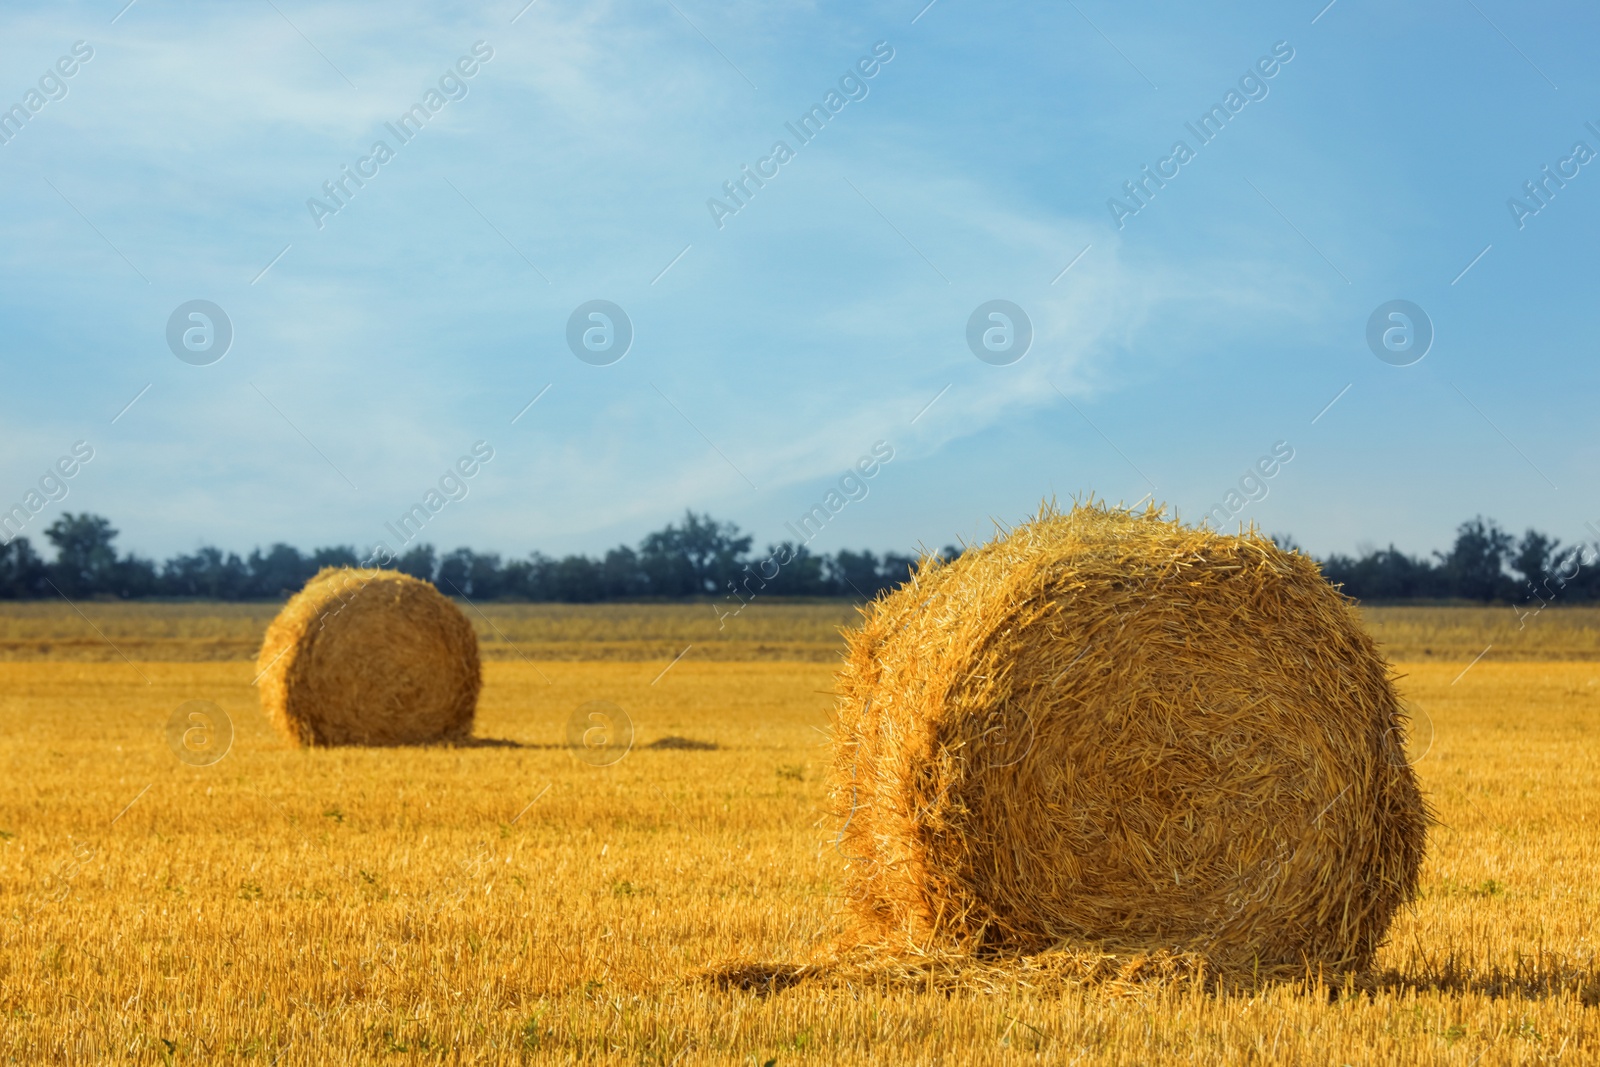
(699, 557)
(702, 557)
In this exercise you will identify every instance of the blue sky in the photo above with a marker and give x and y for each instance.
(826, 315)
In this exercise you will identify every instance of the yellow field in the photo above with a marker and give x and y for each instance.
(508, 903)
(765, 629)
(187, 633)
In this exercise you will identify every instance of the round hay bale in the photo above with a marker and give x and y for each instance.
(1106, 730)
(369, 657)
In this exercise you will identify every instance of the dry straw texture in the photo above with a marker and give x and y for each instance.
(369, 657)
(1108, 731)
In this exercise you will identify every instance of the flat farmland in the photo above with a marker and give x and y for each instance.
(763, 630)
(505, 902)
(198, 632)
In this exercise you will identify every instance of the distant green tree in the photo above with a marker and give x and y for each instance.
(621, 576)
(334, 556)
(578, 580)
(1535, 559)
(896, 568)
(136, 578)
(1386, 574)
(1577, 569)
(527, 579)
(278, 573)
(1285, 542)
(22, 572)
(1475, 566)
(787, 569)
(207, 574)
(86, 561)
(855, 574)
(863, 575)
(466, 573)
(420, 561)
(698, 558)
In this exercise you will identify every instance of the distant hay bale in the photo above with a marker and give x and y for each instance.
(1105, 730)
(369, 657)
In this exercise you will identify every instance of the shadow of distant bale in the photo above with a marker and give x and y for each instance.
(683, 744)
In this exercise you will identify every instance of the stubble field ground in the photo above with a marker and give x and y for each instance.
(509, 903)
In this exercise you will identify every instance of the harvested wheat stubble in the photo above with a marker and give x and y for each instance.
(1107, 731)
(369, 657)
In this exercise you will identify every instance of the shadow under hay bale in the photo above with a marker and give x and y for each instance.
(1108, 731)
(369, 657)
(952, 972)
(684, 744)
(495, 742)
(763, 978)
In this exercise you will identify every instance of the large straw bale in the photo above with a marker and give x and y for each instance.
(1105, 730)
(369, 657)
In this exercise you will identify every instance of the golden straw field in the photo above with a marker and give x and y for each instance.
(505, 902)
